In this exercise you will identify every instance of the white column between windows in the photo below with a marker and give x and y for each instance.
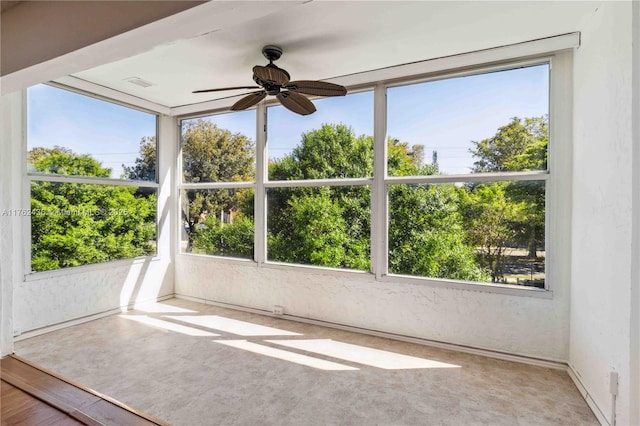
(260, 205)
(168, 192)
(379, 235)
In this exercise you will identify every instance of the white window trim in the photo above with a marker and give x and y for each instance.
(557, 182)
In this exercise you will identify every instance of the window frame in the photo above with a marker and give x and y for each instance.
(557, 182)
(30, 177)
(183, 186)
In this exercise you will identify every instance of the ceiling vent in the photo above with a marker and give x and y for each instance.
(139, 82)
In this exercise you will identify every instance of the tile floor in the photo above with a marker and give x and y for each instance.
(194, 364)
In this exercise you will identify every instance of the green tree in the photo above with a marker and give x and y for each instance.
(520, 145)
(316, 232)
(226, 239)
(211, 154)
(35, 154)
(491, 216)
(145, 164)
(75, 224)
(332, 151)
(330, 226)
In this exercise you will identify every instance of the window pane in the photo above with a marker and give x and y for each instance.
(63, 124)
(486, 232)
(76, 224)
(218, 222)
(219, 148)
(336, 141)
(489, 122)
(324, 226)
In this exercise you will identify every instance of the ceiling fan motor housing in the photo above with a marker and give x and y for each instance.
(271, 52)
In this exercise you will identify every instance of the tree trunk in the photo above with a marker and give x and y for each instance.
(532, 241)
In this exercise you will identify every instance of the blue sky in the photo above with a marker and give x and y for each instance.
(109, 132)
(444, 116)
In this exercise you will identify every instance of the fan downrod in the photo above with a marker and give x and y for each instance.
(271, 52)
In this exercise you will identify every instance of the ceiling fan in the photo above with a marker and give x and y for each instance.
(272, 80)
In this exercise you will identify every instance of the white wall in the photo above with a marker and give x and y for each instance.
(53, 298)
(11, 169)
(635, 259)
(602, 215)
(515, 324)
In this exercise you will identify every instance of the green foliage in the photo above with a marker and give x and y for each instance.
(225, 239)
(61, 161)
(145, 164)
(491, 216)
(316, 232)
(332, 151)
(405, 161)
(75, 224)
(520, 145)
(426, 235)
(211, 154)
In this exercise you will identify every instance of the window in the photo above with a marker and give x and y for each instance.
(473, 231)
(463, 196)
(323, 219)
(492, 124)
(92, 167)
(320, 225)
(218, 173)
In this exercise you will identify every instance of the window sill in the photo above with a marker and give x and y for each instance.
(37, 276)
(511, 290)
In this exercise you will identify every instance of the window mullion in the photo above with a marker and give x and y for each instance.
(260, 219)
(379, 246)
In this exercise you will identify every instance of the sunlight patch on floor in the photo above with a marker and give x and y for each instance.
(169, 326)
(241, 328)
(162, 308)
(286, 355)
(362, 354)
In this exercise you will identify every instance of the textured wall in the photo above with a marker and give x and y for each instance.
(49, 299)
(515, 324)
(602, 219)
(11, 170)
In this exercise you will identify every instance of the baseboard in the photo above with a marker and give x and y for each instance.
(587, 397)
(432, 343)
(76, 321)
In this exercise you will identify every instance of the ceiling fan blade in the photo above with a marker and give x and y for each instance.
(271, 74)
(318, 88)
(225, 88)
(248, 101)
(296, 102)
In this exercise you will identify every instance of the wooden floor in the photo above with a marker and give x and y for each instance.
(33, 396)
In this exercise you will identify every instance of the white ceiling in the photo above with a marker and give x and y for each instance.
(323, 39)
